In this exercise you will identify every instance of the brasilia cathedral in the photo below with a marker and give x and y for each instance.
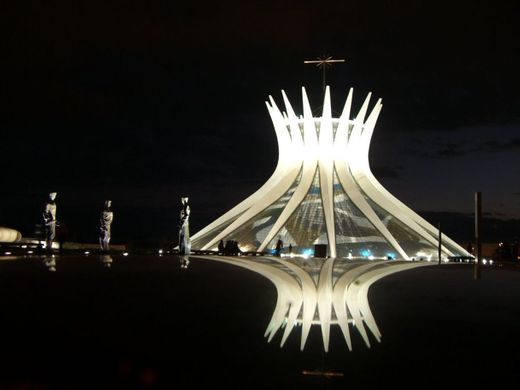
(323, 192)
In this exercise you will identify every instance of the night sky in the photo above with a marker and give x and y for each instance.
(142, 102)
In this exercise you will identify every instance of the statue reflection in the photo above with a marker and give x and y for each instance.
(106, 260)
(185, 261)
(50, 262)
(321, 292)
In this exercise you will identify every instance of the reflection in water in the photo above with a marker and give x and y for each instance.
(106, 259)
(50, 262)
(185, 261)
(321, 292)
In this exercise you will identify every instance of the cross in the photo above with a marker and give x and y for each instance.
(323, 63)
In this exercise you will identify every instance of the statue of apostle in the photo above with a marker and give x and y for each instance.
(105, 221)
(49, 220)
(184, 227)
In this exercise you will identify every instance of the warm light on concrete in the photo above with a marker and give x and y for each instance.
(9, 235)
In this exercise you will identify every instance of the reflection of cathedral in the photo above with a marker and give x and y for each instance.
(322, 293)
(323, 192)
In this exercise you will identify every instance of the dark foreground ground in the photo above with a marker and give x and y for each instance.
(146, 322)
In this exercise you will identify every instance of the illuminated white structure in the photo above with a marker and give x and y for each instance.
(323, 192)
(321, 293)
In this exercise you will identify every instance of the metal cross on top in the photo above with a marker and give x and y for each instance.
(323, 62)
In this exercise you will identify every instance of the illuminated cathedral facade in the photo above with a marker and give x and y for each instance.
(323, 192)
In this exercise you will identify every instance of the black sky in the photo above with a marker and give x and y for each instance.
(142, 102)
